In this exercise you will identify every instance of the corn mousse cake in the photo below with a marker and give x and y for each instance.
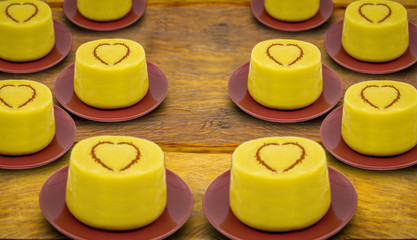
(27, 30)
(110, 73)
(104, 10)
(285, 74)
(27, 122)
(116, 182)
(292, 11)
(379, 117)
(279, 183)
(375, 30)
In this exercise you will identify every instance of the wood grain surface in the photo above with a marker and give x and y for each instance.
(198, 44)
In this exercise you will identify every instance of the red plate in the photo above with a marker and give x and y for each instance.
(64, 93)
(331, 136)
(176, 213)
(342, 208)
(71, 12)
(333, 44)
(325, 11)
(65, 131)
(63, 43)
(238, 91)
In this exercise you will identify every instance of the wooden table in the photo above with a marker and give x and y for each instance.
(198, 44)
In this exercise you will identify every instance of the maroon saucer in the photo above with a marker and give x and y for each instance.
(238, 91)
(333, 44)
(64, 93)
(71, 12)
(343, 206)
(325, 11)
(176, 213)
(331, 136)
(63, 43)
(65, 131)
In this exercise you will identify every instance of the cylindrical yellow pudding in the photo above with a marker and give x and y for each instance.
(110, 73)
(279, 183)
(26, 30)
(375, 30)
(285, 74)
(116, 182)
(104, 10)
(27, 122)
(292, 11)
(380, 117)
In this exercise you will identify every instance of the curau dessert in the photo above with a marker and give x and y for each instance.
(116, 182)
(375, 30)
(379, 117)
(27, 30)
(104, 10)
(292, 11)
(279, 183)
(27, 122)
(285, 74)
(110, 73)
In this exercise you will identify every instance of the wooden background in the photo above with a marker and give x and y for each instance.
(198, 44)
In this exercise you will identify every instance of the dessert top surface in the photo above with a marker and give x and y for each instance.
(110, 53)
(278, 156)
(381, 96)
(23, 95)
(24, 12)
(376, 12)
(285, 54)
(117, 156)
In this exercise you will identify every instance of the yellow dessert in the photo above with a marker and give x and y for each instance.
(110, 73)
(285, 74)
(379, 117)
(279, 183)
(26, 30)
(375, 30)
(292, 11)
(116, 182)
(27, 122)
(104, 10)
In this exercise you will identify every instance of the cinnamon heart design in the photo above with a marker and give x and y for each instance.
(17, 6)
(370, 12)
(120, 50)
(285, 50)
(279, 152)
(129, 155)
(8, 91)
(391, 95)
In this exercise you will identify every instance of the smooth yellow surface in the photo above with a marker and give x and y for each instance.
(27, 32)
(292, 10)
(107, 81)
(281, 200)
(289, 85)
(27, 122)
(104, 10)
(380, 130)
(372, 40)
(116, 199)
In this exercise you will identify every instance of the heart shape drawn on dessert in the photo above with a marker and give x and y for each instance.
(391, 95)
(127, 154)
(33, 11)
(370, 12)
(279, 152)
(112, 54)
(9, 91)
(283, 50)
